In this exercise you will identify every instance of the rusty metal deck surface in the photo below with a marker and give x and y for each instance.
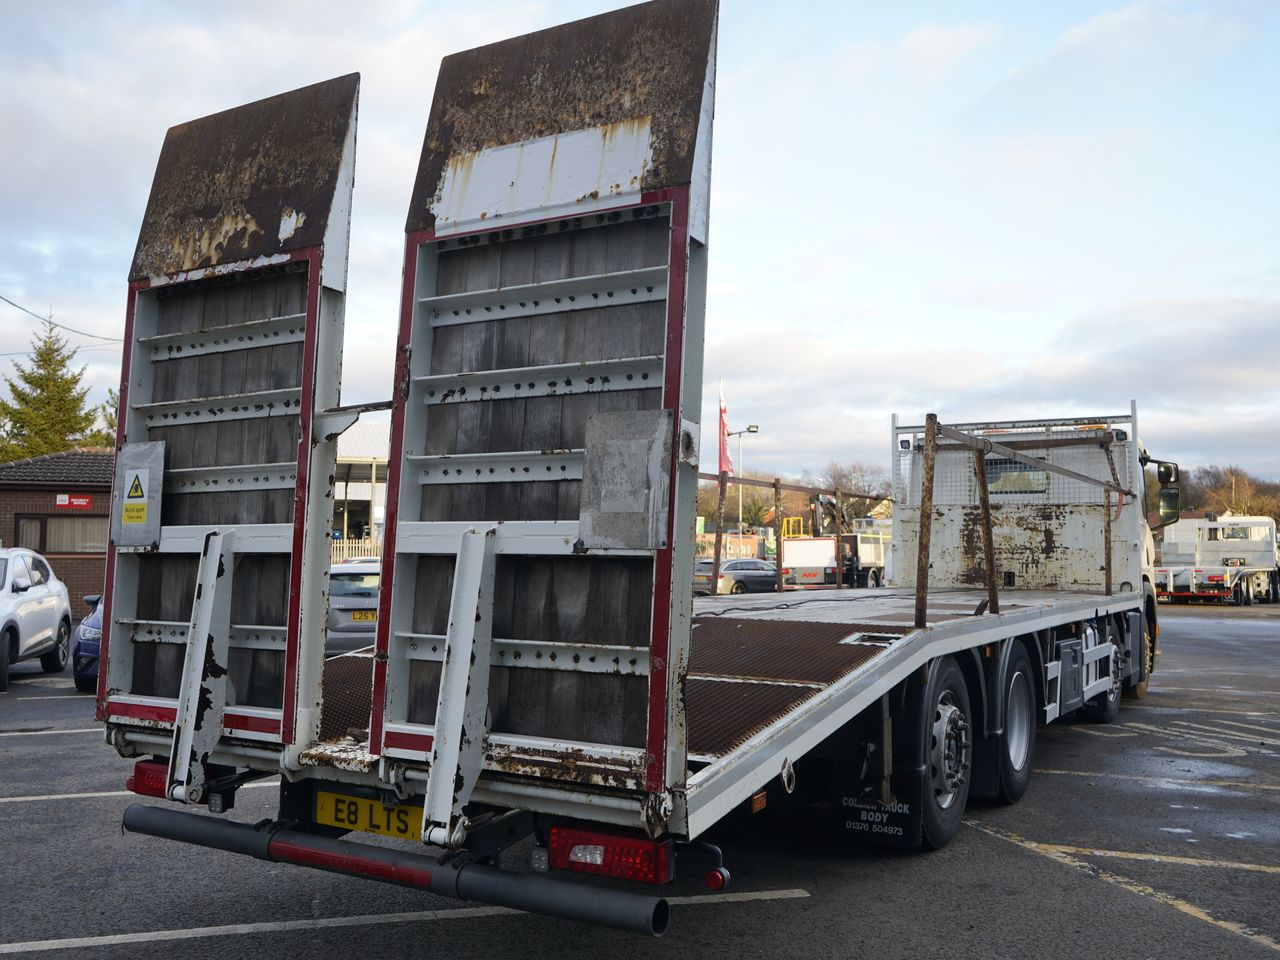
(348, 687)
(255, 181)
(646, 63)
(745, 674)
(798, 651)
(723, 714)
(754, 659)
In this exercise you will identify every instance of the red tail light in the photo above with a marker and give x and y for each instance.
(1215, 578)
(150, 778)
(786, 571)
(610, 855)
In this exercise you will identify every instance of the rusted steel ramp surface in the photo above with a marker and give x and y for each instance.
(744, 674)
(544, 438)
(218, 557)
(756, 659)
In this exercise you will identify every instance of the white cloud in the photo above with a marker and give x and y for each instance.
(931, 51)
(1113, 62)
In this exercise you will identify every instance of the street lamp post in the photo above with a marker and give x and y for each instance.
(752, 428)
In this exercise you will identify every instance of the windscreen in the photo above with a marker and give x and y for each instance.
(353, 585)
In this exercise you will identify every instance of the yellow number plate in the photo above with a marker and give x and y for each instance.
(364, 616)
(370, 816)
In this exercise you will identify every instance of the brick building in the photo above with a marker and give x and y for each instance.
(59, 505)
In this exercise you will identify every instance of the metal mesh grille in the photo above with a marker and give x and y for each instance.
(745, 674)
(1010, 481)
(347, 690)
(797, 651)
(723, 714)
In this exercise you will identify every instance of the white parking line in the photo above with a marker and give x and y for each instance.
(56, 696)
(88, 795)
(45, 733)
(1060, 855)
(320, 923)
(1176, 781)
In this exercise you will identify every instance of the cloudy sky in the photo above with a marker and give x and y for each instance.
(987, 210)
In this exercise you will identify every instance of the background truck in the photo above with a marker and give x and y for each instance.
(858, 557)
(1226, 559)
(543, 688)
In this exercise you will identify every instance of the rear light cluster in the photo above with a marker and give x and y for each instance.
(1215, 578)
(786, 571)
(150, 778)
(611, 855)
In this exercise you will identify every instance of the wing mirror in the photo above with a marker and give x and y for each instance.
(1170, 493)
(21, 584)
(91, 601)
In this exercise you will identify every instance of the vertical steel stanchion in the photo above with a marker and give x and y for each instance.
(777, 532)
(988, 541)
(926, 519)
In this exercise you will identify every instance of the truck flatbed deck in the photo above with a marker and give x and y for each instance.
(755, 661)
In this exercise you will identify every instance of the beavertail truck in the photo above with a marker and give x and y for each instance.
(1223, 559)
(541, 674)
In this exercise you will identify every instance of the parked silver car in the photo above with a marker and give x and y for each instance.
(736, 576)
(353, 605)
(35, 613)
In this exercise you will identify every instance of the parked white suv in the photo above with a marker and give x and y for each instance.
(35, 613)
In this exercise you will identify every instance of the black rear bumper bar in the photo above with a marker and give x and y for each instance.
(637, 913)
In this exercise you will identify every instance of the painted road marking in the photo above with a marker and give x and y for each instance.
(1232, 690)
(1060, 855)
(56, 696)
(1229, 734)
(1179, 781)
(45, 733)
(89, 795)
(1251, 714)
(309, 925)
(1156, 857)
(1250, 726)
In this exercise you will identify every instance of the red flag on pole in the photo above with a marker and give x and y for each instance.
(726, 461)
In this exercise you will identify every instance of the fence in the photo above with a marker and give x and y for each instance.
(340, 551)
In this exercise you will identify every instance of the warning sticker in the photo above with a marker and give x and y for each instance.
(135, 498)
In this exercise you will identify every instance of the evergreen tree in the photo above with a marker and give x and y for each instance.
(105, 436)
(45, 411)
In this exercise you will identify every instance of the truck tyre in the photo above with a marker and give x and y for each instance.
(1147, 652)
(948, 751)
(873, 579)
(1105, 707)
(1017, 744)
(55, 661)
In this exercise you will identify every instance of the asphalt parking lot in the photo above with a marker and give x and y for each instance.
(1156, 836)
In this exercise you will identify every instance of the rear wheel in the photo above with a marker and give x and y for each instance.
(873, 578)
(55, 661)
(948, 754)
(85, 685)
(1018, 743)
(738, 587)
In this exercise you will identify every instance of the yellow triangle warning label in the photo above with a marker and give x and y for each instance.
(135, 490)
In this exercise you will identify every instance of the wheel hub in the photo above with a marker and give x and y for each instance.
(949, 752)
